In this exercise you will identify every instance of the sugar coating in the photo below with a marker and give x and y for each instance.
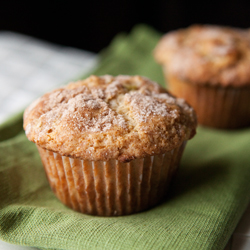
(207, 54)
(107, 117)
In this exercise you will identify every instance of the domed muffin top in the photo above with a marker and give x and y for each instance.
(207, 54)
(106, 117)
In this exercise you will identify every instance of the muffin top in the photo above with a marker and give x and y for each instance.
(106, 117)
(207, 54)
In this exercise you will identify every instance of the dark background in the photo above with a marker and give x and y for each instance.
(92, 24)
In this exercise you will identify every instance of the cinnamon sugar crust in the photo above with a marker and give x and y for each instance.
(106, 117)
(207, 54)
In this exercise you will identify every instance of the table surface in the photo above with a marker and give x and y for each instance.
(30, 67)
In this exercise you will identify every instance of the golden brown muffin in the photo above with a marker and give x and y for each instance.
(110, 145)
(208, 66)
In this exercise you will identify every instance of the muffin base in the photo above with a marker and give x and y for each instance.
(110, 188)
(215, 106)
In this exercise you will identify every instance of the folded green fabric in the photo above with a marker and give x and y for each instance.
(207, 199)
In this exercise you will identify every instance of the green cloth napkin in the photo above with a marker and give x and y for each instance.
(208, 196)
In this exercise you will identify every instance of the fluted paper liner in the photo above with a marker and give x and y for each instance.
(110, 188)
(215, 106)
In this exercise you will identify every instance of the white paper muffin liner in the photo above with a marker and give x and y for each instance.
(215, 106)
(110, 188)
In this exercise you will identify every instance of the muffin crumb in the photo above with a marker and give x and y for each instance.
(108, 117)
(220, 55)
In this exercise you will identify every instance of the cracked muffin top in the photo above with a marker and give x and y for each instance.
(107, 117)
(207, 54)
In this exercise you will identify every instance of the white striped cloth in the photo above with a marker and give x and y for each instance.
(30, 67)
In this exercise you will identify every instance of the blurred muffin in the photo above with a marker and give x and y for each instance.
(209, 66)
(110, 145)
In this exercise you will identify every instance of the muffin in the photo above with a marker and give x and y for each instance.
(209, 66)
(110, 145)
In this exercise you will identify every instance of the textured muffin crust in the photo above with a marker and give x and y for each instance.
(106, 117)
(206, 54)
